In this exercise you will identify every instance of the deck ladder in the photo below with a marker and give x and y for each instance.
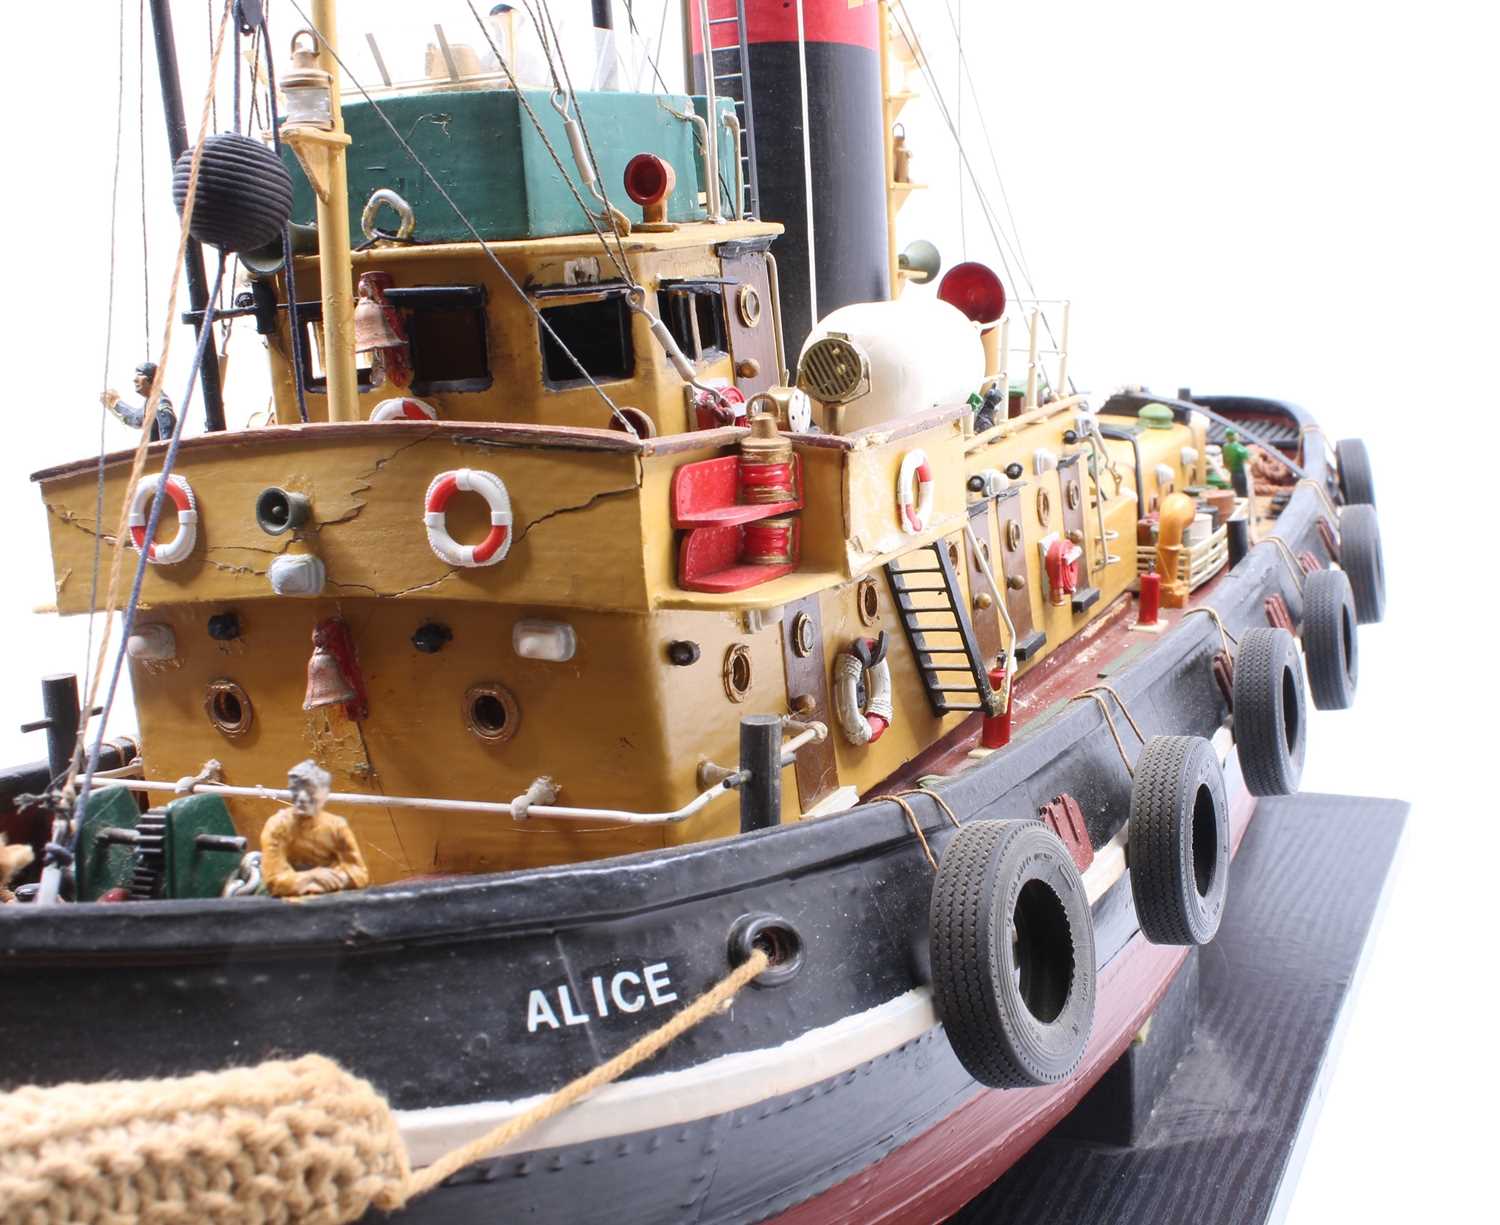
(933, 613)
(731, 71)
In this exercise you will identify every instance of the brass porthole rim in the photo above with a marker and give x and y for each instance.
(867, 615)
(223, 687)
(508, 703)
(736, 660)
(1043, 507)
(748, 302)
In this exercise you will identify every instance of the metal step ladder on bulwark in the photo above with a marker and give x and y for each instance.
(731, 72)
(933, 613)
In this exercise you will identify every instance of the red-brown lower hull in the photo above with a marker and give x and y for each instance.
(934, 1175)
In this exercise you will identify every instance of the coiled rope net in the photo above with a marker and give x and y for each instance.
(289, 1140)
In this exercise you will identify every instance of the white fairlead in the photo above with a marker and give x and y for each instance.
(491, 488)
(915, 491)
(175, 550)
(867, 725)
(403, 408)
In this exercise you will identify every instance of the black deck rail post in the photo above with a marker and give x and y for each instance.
(760, 763)
(59, 720)
(1238, 539)
(177, 141)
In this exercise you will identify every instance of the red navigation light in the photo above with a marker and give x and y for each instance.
(975, 290)
(648, 179)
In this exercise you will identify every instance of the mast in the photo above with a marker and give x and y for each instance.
(177, 142)
(333, 237)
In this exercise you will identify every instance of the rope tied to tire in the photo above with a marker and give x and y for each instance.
(300, 1139)
(1290, 558)
(1093, 692)
(1224, 635)
(903, 801)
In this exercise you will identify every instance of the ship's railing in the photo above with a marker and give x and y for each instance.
(1042, 351)
(521, 808)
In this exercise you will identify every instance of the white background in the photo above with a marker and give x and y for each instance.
(1288, 199)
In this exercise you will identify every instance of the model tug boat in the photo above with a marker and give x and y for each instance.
(624, 645)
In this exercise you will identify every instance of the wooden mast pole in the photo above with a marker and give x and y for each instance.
(333, 239)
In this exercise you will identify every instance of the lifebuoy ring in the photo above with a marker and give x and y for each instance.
(491, 488)
(867, 725)
(181, 493)
(403, 408)
(915, 491)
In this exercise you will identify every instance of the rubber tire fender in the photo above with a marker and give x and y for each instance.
(1012, 942)
(1270, 711)
(1330, 639)
(1363, 561)
(1178, 845)
(1356, 476)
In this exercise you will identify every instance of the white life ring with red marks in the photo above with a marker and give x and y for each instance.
(491, 488)
(915, 491)
(862, 725)
(175, 550)
(403, 408)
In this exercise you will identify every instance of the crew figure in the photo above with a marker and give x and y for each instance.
(165, 424)
(1236, 457)
(305, 850)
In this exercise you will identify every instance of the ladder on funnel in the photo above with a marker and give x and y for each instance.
(931, 607)
(731, 72)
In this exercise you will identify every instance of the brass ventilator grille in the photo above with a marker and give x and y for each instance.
(834, 370)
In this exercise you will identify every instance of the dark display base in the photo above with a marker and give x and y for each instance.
(1206, 1118)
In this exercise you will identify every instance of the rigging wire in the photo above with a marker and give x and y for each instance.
(56, 856)
(644, 46)
(109, 334)
(958, 35)
(140, 59)
(463, 218)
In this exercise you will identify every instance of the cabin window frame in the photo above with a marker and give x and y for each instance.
(681, 303)
(559, 373)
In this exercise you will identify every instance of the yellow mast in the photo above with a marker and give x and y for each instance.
(333, 240)
(319, 145)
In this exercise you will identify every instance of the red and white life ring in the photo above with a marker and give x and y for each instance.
(491, 488)
(915, 491)
(175, 550)
(867, 725)
(403, 408)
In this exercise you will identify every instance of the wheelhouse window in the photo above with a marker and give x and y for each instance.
(596, 332)
(447, 330)
(694, 313)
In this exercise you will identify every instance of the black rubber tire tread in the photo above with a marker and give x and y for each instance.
(1363, 560)
(1163, 796)
(974, 977)
(1330, 639)
(1356, 477)
(1266, 715)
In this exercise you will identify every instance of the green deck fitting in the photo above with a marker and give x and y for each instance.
(484, 150)
(1156, 416)
(100, 869)
(192, 872)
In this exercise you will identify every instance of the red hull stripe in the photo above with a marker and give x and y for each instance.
(855, 23)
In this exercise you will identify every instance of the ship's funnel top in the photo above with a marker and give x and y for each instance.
(975, 290)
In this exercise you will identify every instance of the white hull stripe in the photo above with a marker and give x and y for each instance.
(730, 1082)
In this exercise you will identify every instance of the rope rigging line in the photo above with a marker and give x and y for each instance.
(984, 130)
(505, 272)
(109, 331)
(640, 39)
(57, 854)
(140, 103)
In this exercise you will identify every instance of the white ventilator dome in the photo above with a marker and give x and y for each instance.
(909, 355)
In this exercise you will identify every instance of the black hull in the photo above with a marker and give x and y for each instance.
(427, 989)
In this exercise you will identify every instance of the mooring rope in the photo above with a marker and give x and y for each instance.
(288, 1139)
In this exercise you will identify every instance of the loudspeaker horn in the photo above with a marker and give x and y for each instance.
(267, 260)
(921, 261)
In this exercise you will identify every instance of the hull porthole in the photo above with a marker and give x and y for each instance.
(1179, 840)
(1012, 943)
(1270, 711)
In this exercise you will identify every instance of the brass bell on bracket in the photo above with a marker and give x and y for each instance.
(375, 322)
